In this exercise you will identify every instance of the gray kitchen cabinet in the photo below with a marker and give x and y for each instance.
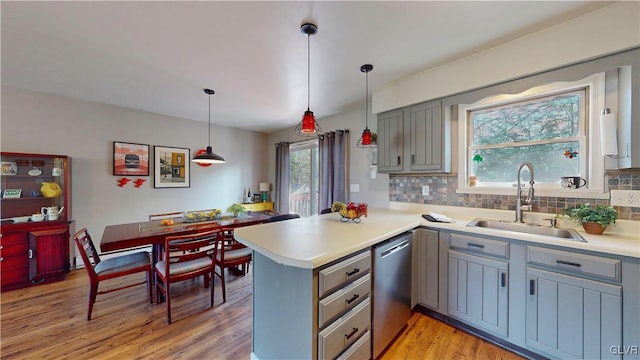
(570, 317)
(427, 247)
(425, 133)
(414, 140)
(570, 313)
(478, 291)
(390, 141)
(320, 313)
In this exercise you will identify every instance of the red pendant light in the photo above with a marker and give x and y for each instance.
(366, 140)
(308, 126)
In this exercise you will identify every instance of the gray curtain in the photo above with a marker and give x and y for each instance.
(281, 187)
(334, 157)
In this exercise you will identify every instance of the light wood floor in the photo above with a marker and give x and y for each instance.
(49, 321)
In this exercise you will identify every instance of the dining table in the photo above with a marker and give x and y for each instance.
(122, 237)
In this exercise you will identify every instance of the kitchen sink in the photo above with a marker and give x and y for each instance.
(568, 234)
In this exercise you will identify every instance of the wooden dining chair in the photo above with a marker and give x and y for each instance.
(187, 257)
(170, 215)
(231, 255)
(283, 217)
(110, 268)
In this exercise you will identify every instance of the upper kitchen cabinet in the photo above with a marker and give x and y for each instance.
(414, 139)
(390, 144)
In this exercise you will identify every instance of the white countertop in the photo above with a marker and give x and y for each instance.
(317, 240)
(621, 238)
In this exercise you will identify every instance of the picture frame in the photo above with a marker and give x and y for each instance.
(130, 159)
(171, 167)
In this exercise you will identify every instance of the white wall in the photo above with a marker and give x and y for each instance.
(35, 122)
(374, 192)
(604, 31)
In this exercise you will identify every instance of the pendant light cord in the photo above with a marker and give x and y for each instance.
(209, 119)
(366, 101)
(308, 71)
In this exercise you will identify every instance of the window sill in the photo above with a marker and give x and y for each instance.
(562, 193)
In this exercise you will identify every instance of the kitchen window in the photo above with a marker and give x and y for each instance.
(552, 126)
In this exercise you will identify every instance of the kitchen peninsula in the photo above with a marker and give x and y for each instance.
(296, 263)
(293, 262)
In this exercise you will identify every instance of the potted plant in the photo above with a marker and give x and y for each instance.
(594, 219)
(236, 209)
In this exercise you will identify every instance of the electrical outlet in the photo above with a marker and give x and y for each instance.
(629, 198)
(425, 190)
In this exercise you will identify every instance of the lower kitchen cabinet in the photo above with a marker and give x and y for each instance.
(478, 291)
(557, 302)
(322, 313)
(570, 317)
(34, 255)
(14, 259)
(427, 247)
(48, 253)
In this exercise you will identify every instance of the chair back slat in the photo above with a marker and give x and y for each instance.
(182, 248)
(170, 215)
(283, 217)
(87, 249)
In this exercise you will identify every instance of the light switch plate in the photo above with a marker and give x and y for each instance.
(425, 190)
(629, 198)
(355, 188)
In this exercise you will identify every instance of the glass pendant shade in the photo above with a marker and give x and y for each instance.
(208, 157)
(366, 137)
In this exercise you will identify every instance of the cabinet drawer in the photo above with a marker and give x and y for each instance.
(344, 331)
(19, 250)
(360, 350)
(343, 272)
(480, 245)
(575, 263)
(343, 299)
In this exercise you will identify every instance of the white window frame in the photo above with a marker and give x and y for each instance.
(592, 164)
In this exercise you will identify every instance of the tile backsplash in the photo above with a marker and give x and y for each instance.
(403, 188)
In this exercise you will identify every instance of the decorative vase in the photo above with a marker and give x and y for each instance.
(593, 228)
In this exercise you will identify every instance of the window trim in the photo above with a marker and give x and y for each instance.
(594, 165)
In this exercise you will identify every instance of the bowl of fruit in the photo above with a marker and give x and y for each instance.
(351, 211)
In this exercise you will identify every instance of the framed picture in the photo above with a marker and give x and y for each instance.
(130, 159)
(171, 168)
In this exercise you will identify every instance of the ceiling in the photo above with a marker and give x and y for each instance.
(159, 56)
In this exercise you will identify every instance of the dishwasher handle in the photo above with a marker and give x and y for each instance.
(395, 249)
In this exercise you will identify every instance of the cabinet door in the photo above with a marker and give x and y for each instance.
(48, 253)
(428, 268)
(426, 137)
(390, 141)
(571, 317)
(478, 291)
(14, 262)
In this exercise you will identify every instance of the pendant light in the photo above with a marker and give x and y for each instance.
(308, 126)
(366, 140)
(208, 157)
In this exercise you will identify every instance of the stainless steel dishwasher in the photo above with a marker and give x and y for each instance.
(391, 289)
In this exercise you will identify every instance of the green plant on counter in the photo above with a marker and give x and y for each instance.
(586, 213)
(236, 209)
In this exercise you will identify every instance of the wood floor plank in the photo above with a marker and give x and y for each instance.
(49, 322)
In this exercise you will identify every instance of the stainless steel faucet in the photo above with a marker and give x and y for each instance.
(519, 201)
